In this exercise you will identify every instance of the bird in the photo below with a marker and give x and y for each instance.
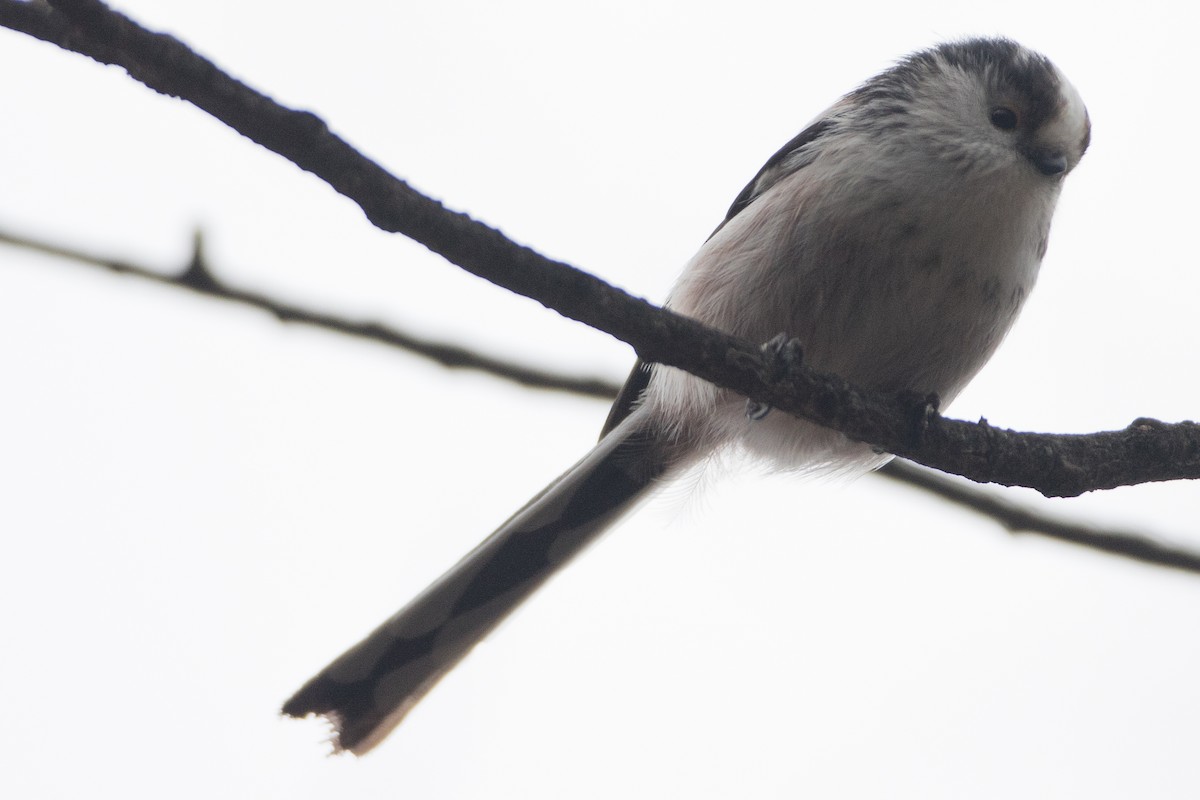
(895, 238)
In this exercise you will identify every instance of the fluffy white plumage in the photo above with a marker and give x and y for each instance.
(896, 246)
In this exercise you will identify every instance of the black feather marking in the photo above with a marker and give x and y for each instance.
(526, 557)
(785, 161)
(1003, 62)
(627, 400)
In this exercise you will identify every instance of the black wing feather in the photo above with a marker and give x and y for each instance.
(787, 160)
(631, 392)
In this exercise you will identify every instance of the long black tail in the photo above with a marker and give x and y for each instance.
(367, 691)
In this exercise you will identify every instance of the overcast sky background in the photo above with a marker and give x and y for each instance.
(199, 506)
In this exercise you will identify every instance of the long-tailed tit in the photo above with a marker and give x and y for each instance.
(896, 238)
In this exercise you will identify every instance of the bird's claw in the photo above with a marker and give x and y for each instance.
(782, 353)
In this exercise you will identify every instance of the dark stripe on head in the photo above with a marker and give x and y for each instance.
(1003, 62)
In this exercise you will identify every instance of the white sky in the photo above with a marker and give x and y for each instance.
(199, 507)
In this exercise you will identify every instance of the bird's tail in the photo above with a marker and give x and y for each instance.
(367, 691)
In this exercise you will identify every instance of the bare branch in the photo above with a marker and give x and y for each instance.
(1054, 464)
(1020, 519)
(199, 277)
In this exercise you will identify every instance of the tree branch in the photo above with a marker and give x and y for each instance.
(1054, 464)
(1020, 519)
(199, 277)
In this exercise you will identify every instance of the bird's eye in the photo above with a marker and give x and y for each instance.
(1004, 118)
